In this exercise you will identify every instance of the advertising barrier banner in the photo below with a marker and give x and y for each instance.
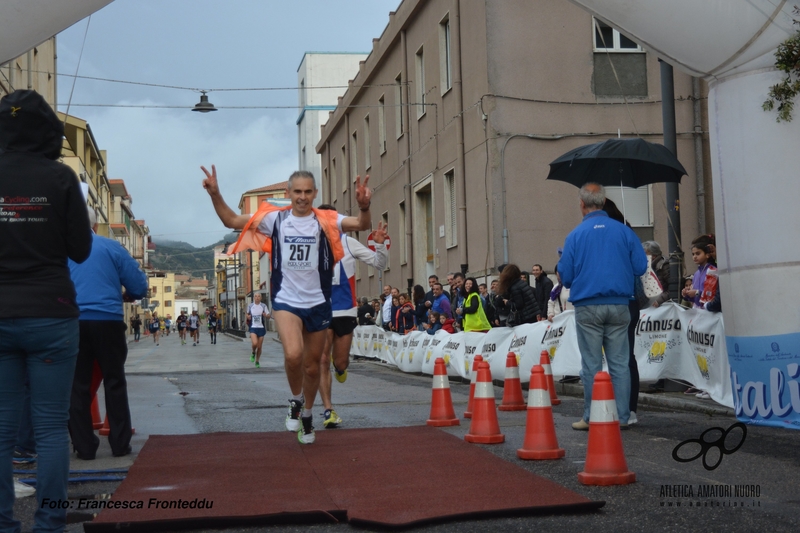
(669, 342)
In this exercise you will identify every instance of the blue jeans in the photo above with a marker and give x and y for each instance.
(605, 327)
(45, 349)
(25, 439)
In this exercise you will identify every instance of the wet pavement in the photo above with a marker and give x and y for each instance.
(184, 389)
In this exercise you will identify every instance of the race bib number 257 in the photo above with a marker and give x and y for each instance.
(300, 253)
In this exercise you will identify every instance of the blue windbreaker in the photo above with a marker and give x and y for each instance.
(601, 257)
(98, 280)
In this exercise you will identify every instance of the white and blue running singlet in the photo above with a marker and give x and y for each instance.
(256, 312)
(343, 292)
(302, 258)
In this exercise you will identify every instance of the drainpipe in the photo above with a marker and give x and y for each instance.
(698, 158)
(673, 191)
(328, 196)
(30, 68)
(461, 183)
(346, 165)
(409, 229)
(55, 77)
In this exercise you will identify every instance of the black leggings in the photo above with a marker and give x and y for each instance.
(633, 307)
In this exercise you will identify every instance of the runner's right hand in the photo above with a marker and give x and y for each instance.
(210, 184)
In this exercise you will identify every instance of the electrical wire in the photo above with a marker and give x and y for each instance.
(221, 89)
(77, 67)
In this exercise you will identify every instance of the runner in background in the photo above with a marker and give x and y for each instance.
(345, 313)
(212, 325)
(154, 329)
(194, 326)
(257, 316)
(181, 322)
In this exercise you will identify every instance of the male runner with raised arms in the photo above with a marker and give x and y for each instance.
(181, 323)
(345, 312)
(257, 316)
(304, 244)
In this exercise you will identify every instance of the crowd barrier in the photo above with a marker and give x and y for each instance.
(670, 342)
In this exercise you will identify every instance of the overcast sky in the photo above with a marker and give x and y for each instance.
(203, 44)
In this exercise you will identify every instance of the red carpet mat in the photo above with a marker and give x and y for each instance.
(392, 477)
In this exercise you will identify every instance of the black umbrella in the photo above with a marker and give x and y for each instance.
(626, 162)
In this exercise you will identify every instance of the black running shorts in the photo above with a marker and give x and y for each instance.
(343, 326)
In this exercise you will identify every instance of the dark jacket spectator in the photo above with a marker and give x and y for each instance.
(420, 310)
(543, 288)
(52, 223)
(44, 223)
(365, 313)
(500, 311)
(660, 266)
(404, 317)
(518, 297)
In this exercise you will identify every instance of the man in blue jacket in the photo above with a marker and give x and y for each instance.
(103, 339)
(600, 260)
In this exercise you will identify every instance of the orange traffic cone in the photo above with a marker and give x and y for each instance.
(97, 423)
(442, 413)
(605, 459)
(472, 379)
(105, 429)
(512, 388)
(484, 428)
(544, 360)
(540, 430)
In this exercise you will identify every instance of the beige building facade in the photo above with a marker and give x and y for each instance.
(110, 200)
(161, 290)
(35, 70)
(459, 109)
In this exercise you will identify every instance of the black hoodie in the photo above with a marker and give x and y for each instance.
(43, 215)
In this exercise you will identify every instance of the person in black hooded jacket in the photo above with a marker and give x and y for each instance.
(518, 297)
(43, 222)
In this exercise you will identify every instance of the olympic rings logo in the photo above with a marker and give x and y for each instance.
(706, 446)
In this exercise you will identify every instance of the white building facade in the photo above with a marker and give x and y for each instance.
(322, 78)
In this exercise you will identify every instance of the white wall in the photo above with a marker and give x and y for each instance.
(320, 69)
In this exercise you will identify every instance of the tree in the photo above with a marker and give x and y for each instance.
(787, 59)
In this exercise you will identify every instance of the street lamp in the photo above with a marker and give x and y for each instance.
(204, 106)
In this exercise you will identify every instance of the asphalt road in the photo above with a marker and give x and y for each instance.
(177, 389)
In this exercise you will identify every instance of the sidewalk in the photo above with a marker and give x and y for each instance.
(664, 400)
(677, 401)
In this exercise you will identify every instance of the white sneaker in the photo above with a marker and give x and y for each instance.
(21, 490)
(293, 417)
(632, 419)
(703, 395)
(306, 434)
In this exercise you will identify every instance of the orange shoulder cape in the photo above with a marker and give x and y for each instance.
(252, 239)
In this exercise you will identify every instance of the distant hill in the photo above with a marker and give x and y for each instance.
(182, 257)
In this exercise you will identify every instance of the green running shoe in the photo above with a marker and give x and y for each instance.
(306, 433)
